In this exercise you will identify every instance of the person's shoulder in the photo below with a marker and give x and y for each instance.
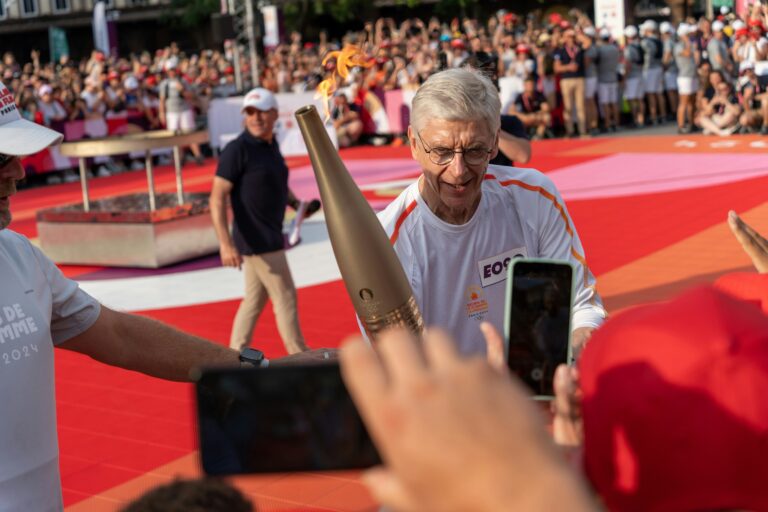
(396, 213)
(518, 180)
(17, 247)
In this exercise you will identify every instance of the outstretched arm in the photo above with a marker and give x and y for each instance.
(145, 345)
(754, 244)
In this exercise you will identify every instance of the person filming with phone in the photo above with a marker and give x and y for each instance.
(41, 309)
(457, 229)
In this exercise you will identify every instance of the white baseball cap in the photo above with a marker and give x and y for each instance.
(19, 137)
(131, 83)
(589, 31)
(683, 29)
(171, 63)
(717, 26)
(44, 89)
(738, 25)
(259, 98)
(666, 28)
(630, 31)
(745, 65)
(649, 25)
(605, 33)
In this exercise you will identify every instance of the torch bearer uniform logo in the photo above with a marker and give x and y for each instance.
(477, 306)
(494, 269)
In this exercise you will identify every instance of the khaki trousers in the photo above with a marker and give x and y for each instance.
(573, 93)
(268, 276)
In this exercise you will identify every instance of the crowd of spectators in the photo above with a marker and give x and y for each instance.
(574, 77)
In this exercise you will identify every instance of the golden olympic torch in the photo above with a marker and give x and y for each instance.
(374, 278)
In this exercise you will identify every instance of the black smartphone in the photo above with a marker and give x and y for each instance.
(537, 324)
(279, 419)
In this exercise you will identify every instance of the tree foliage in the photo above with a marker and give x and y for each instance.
(191, 13)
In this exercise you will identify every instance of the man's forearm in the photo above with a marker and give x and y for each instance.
(219, 218)
(515, 148)
(159, 350)
(145, 345)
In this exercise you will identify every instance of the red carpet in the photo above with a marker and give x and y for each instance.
(121, 432)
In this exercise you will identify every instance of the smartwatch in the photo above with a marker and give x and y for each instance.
(253, 358)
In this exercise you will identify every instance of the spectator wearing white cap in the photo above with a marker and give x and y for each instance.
(94, 97)
(587, 41)
(608, 58)
(653, 72)
(686, 56)
(633, 75)
(717, 51)
(253, 177)
(667, 32)
(176, 107)
(52, 110)
(754, 100)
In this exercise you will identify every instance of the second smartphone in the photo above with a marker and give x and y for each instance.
(537, 321)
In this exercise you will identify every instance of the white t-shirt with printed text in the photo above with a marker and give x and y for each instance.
(39, 308)
(458, 272)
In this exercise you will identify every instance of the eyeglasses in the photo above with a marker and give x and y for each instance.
(444, 156)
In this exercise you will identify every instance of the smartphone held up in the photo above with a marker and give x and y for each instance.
(279, 419)
(537, 323)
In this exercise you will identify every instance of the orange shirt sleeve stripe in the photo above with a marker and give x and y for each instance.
(400, 220)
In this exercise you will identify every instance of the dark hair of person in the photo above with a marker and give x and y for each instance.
(203, 495)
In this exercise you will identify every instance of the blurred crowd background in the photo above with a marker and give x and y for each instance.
(722, 59)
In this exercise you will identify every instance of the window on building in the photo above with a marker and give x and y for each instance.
(60, 5)
(29, 7)
(2, 10)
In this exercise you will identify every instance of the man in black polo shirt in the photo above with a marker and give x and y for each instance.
(253, 174)
(569, 64)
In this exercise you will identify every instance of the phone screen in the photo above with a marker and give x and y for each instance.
(539, 321)
(278, 419)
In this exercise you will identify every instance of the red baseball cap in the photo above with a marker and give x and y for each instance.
(675, 406)
(747, 286)
(458, 43)
(521, 48)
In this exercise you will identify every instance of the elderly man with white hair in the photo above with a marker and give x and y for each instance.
(686, 56)
(456, 229)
